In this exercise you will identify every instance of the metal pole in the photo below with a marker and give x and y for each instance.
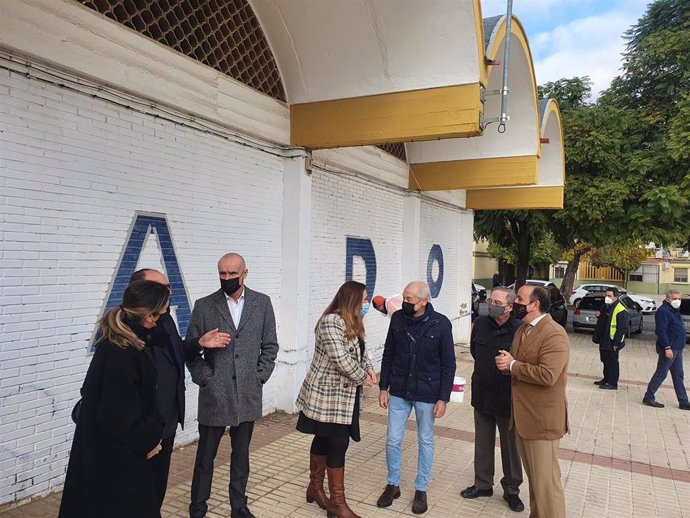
(506, 66)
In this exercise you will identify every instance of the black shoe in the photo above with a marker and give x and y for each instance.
(608, 386)
(473, 492)
(684, 405)
(652, 403)
(600, 382)
(241, 512)
(419, 503)
(389, 494)
(514, 503)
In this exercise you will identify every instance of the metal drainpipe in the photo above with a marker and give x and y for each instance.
(506, 68)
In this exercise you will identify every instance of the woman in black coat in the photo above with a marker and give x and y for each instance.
(118, 429)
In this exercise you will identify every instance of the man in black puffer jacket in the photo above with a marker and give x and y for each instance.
(491, 401)
(417, 369)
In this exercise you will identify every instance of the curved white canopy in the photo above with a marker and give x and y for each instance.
(521, 136)
(339, 49)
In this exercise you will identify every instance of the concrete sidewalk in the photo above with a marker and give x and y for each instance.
(621, 459)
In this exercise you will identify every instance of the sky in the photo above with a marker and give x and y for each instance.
(571, 38)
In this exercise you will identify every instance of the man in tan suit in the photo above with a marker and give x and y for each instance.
(538, 367)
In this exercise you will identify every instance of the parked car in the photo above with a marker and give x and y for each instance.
(475, 302)
(585, 318)
(685, 313)
(584, 289)
(481, 291)
(559, 309)
(648, 304)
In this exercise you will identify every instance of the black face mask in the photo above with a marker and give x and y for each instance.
(230, 286)
(519, 310)
(408, 309)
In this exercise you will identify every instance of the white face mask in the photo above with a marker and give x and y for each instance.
(675, 303)
(608, 301)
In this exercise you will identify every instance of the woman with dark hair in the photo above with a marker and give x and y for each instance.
(330, 398)
(118, 427)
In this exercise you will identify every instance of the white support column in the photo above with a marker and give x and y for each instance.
(412, 212)
(463, 328)
(293, 331)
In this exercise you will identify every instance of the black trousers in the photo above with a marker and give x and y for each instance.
(209, 439)
(611, 368)
(161, 468)
(484, 447)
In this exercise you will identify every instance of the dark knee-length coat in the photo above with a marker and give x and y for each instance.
(108, 475)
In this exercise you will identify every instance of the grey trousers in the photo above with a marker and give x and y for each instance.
(484, 445)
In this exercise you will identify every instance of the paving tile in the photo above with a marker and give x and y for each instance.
(620, 460)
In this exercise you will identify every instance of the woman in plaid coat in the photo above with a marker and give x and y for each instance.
(330, 398)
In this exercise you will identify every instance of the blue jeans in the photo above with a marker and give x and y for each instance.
(399, 410)
(663, 366)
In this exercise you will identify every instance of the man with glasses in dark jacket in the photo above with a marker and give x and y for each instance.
(417, 371)
(491, 401)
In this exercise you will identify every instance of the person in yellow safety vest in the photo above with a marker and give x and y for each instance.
(614, 320)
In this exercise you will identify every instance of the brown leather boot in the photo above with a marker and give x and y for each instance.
(317, 472)
(337, 506)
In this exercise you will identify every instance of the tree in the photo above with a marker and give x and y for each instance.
(626, 156)
(570, 93)
(626, 257)
(512, 230)
(655, 83)
(545, 251)
(627, 167)
(597, 183)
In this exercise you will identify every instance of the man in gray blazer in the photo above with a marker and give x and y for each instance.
(230, 380)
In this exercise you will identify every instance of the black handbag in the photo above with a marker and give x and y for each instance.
(77, 406)
(75, 411)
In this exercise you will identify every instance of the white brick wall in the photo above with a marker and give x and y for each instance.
(347, 206)
(72, 174)
(442, 225)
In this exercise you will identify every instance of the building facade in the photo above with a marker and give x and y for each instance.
(166, 135)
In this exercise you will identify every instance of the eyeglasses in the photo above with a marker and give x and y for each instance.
(494, 302)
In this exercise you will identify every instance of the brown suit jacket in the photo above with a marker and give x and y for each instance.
(539, 376)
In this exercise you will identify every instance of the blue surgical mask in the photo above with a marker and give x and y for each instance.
(365, 308)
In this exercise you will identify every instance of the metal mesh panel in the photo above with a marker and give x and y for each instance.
(396, 149)
(223, 34)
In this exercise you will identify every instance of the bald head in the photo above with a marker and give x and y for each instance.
(419, 290)
(149, 274)
(234, 259)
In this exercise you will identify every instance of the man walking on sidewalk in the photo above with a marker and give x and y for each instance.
(670, 342)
